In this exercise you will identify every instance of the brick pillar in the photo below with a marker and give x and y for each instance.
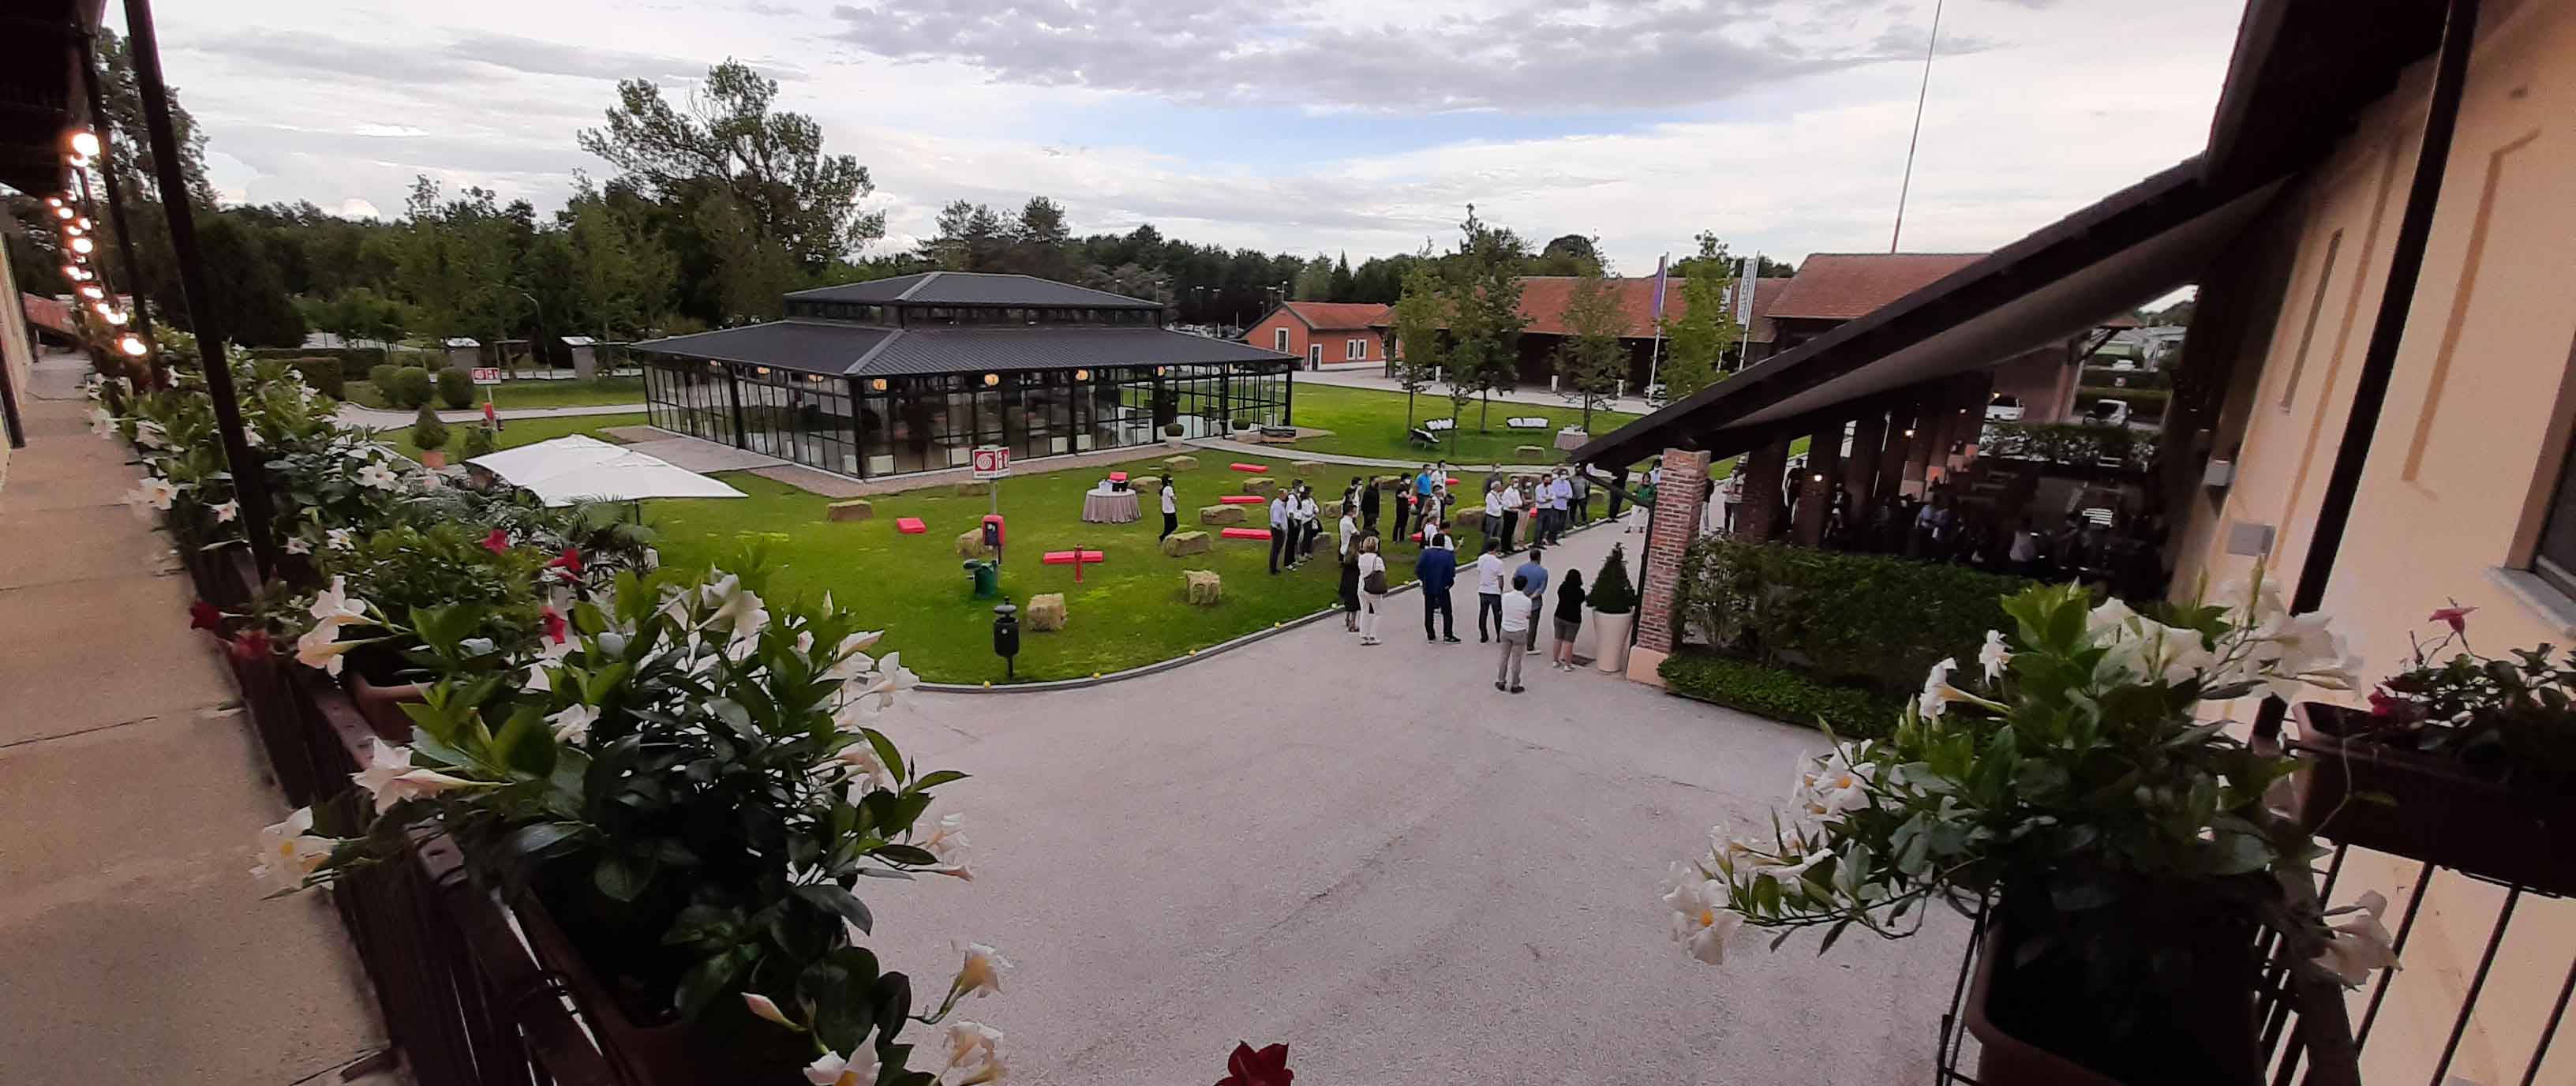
(1892, 457)
(1675, 525)
(1816, 483)
(1758, 519)
(1860, 469)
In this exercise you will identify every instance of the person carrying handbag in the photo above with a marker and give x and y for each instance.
(1373, 588)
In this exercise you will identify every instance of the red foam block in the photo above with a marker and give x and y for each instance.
(1241, 499)
(1065, 558)
(1256, 469)
(910, 525)
(1117, 476)
(1453, 482)
(1245, 533)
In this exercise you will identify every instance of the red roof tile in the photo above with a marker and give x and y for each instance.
(1543, 299)
(1841, 286)
(1337, 316)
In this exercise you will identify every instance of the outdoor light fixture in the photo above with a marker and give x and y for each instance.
(992, 379)
(82, 246)
(74, 229)
(72, 272)
(92, 292)
(85, 142)
(1158, 370)
(83, 223)
(61, 212)
(878, 385)
(1820, 477)
(80, 161)
(132, 344)
(1082, 375)
(53, 201)
(761, 370)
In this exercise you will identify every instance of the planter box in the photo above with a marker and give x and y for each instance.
(2215, 1016)
(1610, 650)
(671, 1053)
(381, 704)
(2427, 807)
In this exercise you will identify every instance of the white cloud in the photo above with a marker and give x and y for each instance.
(355, 208)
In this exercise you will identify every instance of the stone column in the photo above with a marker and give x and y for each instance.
(1758, 518)
(1892, 457)
(1675, 525)
(1815, 484)
(1860, 469)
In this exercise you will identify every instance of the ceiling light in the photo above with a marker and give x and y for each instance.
(85, 142)
(992, 379)
(878, 385)
(132, 344)
(61, 212)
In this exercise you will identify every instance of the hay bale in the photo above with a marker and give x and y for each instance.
(1180, 543)
(1529, 454)
(972, 488)
(1220, 514)
(1332, 510)
(1307, 467)
(1203, 586)
(1264, 486)
(1045, 613)
(970, 544)
(1146, 484)
(853, 509)
(1181, 463)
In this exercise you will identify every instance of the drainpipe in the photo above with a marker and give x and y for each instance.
(205, 318)
(2379, 360)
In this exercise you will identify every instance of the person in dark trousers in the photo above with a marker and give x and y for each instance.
(1351, 582)
(1403, 499)
(1437, 569)
(1569, 619)
(1532, 578)
(1368, 505)
(1582, 484)
(1519, 606)
(1489, 587)
(1171, 510)
(1618, 494)
(1278, 530)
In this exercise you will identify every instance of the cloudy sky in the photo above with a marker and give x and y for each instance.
(1358, 126)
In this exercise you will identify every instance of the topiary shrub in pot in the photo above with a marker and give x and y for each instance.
(429, 433)
(1614, 611)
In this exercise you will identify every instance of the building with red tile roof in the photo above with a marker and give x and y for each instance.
(1543, 302)
(1324, 332)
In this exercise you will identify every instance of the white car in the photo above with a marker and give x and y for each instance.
(2005, 407)
(2107, 413)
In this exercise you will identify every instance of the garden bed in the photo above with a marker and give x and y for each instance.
(1780, 694)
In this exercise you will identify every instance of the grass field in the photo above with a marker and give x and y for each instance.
(531, 393)
(1367, 422)
(515, 433)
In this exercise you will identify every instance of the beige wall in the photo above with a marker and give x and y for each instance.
(2467, 449)
(17, 353)
(2044, 379)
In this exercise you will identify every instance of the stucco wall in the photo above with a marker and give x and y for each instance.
(2460, 468)
(17, 351)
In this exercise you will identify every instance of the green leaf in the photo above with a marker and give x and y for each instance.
(709, 979)
(622, 878)
(526, 744)
(886, 752)
(906, 854)
(932, 780)
(832, 898)
(544, 839)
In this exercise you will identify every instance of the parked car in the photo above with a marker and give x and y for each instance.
(2107, 413)
(2005, 407)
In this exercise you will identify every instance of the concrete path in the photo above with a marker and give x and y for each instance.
(1373, 856)
(131, 797)
(381, 418)
(1371, 378)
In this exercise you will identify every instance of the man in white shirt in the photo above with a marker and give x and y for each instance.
(1171, 509)
(1560, 504)
(1493, 509)
(1309, 525)
(1489, 587)
(1517, 605)
(1278, 531)
(1350, 530)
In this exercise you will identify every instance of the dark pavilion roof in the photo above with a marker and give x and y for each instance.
(971, 288)
(853, 350)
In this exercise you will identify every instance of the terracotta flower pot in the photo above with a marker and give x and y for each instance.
(2186, 1039)
(433, 459)
(2428, 807)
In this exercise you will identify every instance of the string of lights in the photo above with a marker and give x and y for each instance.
(80, 242)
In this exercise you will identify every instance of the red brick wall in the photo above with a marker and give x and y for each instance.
(1677, 508)
(1265, 335)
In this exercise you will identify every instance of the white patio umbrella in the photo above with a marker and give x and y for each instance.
(571, 469)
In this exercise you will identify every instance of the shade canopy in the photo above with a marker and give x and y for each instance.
(572, 469)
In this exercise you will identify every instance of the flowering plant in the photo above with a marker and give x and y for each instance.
(693, 783)
(2073, 780)
(173, 432)
(2501, 718)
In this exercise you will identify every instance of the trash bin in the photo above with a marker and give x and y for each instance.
(987, 575)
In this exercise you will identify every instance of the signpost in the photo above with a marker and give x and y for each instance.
(486, 377)
(992, 464)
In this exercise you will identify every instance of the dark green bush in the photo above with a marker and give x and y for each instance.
(323, 374)
(381, 375)
(1861, 619)
(478, 441)
(410, 388)
(455, 388)
(1612, 593)
(1781, 694)
(355, 362)
(427, 431)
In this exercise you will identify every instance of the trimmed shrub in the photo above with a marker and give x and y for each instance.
(410, 388)
(324, 375)
(1781, 694)
(1612, 593)
(1173, 430)
(1867, 620)
(456, 388)
(381, 375)
(427, 431)
(356, 363)
(478, 441)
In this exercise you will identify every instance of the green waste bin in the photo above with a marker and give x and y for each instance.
(987, 575)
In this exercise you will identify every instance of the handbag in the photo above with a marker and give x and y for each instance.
(1375, 583)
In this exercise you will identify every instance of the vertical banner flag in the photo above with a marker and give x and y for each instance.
(1744, 283)
(1659, 291)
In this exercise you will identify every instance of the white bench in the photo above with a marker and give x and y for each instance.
(1528, 422)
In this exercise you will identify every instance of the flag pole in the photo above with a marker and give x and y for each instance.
(1655, 356)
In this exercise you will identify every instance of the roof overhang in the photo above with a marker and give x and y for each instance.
(2303, 69)
(41, 94)
(2132, 246)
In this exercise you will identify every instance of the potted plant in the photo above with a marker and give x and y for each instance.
(2121, 839)
(403, 569)
(1614, 611)
(681, 800)
(1173, 431)
(430, 435)
(2463, 760)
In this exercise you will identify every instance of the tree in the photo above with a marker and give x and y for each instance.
(358, 313)
(1313, 280)
(756, 270)
(1419, 317)
(454, 259)
(1696, 337)
(971, 237)
(1572, 254)
(770, 165)
(1344, 287)
(1040, 243)
(1484, 306)
(1592, 360)
(1714, 258)
(621, 273)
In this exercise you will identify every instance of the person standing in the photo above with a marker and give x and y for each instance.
(1310, 523)
(1171, 510)
(1489, 588)
(1560, 506)
(1350, 533)
(1582, 486)
(1422, 484)
(1373, 588)
(1511, 517)
(1368, 505)
(1618, 495)
(1437, 569)
(1350, 591)
(1402, 497)
(1278, 530)
(1517, 605)
(1569, 619)
(1533, 576)
(1493, 526)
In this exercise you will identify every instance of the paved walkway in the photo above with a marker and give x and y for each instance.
(131, 796)
(1373, 856)
(1372, 378)
(380, 418)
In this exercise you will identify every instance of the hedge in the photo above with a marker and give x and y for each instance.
(455, 388)
(324, 374)
(354, 361)
(1865, 620)
(410, 388)
(1780, 694)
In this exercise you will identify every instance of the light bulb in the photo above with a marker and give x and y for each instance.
(82, 246)
(74, 230)
(117, 316)
(62, 212)
(83, 223)
(92, 292)
(992, 379)
(72, 272)
(132, 344)
(53, 201)
(85, 142)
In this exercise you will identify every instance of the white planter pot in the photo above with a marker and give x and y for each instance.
(1610, 652)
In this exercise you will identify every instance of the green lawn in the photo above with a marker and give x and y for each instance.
(1367, 422)
(515, 433)
(1128, 610)
(530, 393)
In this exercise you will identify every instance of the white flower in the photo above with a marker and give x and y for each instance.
(1702, 921)
(288, 851)
(867, 772)
(476, 646)
(250, 437)
(154, 491)
(295, 544)
(101, 422)
(333, 607)
(735, 606)
(150, 435)
(1994, 655)
(850, 660)
(540, 680)
(891, 678)
(572, 724)
(947, 842)
(1793, 873)
(342, 539)
(2359, 944)
(321, 647)
(2151, 651)
(763, 1007)
(225, 512)
(982, 972)
(1938, 693)
(974, 1054)
(1839, 784)
(385, 761)
(832, 1069)
(375, 475)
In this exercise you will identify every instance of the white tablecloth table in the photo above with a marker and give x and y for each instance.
(1101, 505)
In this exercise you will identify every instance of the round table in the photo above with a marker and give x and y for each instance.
(1101, 505)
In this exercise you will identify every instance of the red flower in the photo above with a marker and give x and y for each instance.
(554, 625)
(497, 542)
(569, 562)
(2456, 616)
(1268, 1067)
(2381, 704)
(251, 646)
(206, 616)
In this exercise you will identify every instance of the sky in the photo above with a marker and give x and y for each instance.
(1335, 126)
